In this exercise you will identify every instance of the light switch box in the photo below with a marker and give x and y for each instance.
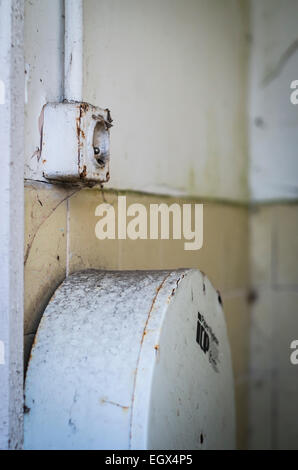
(75, 143)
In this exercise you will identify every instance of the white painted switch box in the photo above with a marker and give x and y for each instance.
(75, 143)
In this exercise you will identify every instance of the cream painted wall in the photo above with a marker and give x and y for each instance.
(273, 118)
(174, 75)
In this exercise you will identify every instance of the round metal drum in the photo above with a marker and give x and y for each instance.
(131, 360)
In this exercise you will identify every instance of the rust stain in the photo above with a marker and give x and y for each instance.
(83, 172)
(124, 408)
(43, 161)
(78, 119)
(78, 128)
(151, 308)
(31, 352)
(157, 351)
(84, 107)
(80, 131)
(139, 355)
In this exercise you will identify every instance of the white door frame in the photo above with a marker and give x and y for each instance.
(11, 222)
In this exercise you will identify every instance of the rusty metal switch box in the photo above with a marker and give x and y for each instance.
(75, 143)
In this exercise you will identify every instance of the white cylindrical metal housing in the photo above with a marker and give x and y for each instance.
(131, 360)
(73, 50)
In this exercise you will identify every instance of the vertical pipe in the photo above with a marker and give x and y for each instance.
(73, 50)
(11, 226)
